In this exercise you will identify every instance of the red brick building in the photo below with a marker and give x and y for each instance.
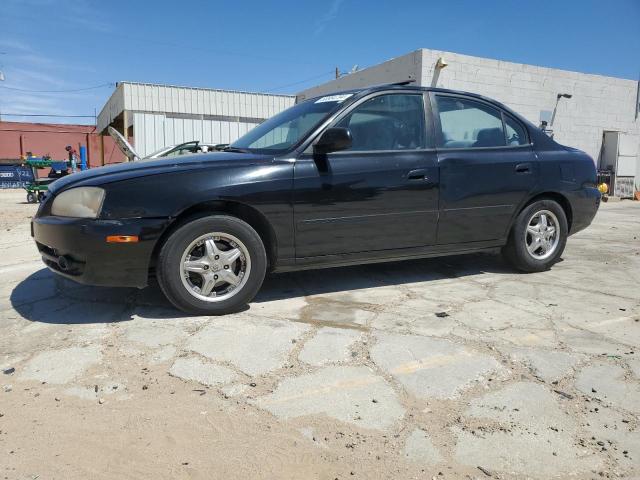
(18, 138)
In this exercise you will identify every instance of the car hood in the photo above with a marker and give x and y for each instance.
(125, 171)
(124, 146)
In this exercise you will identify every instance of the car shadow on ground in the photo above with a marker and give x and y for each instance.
(47, 298)
(343, 279)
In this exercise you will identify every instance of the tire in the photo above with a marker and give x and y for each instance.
(531, 246)
(31, 197)
(204, 248)
(40, 197)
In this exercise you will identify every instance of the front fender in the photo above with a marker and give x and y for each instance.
(167, 195)
(265, 188)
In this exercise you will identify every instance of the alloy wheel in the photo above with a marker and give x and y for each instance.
(215, 267)
(542, 234)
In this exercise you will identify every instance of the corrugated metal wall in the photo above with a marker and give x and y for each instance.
(165, 115)
(199, 101)
(111, 109)
(154, 131)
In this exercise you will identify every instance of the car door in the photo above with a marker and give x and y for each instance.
(487, 168)
(382, 193)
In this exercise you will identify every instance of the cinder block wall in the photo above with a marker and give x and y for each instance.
(400, 69)
(599, 103)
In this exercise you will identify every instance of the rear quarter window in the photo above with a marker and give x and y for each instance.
(516, 134)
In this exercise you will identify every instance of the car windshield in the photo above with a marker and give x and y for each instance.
(158, 152)
(174, 150)
(284, 130)
(182, 149)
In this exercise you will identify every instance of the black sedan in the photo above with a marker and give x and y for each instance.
(379, 174)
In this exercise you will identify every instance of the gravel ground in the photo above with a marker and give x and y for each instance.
(448, 368)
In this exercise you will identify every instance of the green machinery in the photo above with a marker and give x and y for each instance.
(37, 188)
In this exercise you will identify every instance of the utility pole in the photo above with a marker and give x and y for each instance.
(337, 72)
(1, 80)
(638, 98)
(2, 77)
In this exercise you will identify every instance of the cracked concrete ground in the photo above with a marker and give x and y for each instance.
(448, 368)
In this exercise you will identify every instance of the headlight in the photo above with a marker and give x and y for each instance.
(80, 202)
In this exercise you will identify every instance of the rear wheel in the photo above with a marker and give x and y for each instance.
(538, 237)
(212, 265)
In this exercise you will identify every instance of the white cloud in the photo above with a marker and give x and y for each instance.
(25, 69)
(331, 14)
(13, 44)
(35, 79)
(82, 14)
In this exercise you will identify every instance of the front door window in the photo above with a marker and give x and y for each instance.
(387, 122)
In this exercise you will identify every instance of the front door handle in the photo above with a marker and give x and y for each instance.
(523, 168)
(419, 174)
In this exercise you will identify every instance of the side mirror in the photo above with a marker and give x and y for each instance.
(333, 139)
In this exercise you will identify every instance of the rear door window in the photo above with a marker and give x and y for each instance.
(466, 123)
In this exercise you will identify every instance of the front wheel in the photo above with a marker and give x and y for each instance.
(538, 237)
(31, 197)
(212, 265)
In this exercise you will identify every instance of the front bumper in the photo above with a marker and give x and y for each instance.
(77, 249)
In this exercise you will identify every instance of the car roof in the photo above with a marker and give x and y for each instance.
(404, 87)
(360, 92)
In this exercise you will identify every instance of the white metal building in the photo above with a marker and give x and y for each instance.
(155, 116)
(601, 117)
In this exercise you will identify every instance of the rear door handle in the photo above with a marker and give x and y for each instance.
(523, 168)
(419, 174)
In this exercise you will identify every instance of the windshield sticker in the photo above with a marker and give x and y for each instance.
(334, 98)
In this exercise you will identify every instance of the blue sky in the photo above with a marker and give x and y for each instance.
(284, 46)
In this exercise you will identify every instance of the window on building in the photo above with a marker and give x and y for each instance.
(387, 122)
(469, 124)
